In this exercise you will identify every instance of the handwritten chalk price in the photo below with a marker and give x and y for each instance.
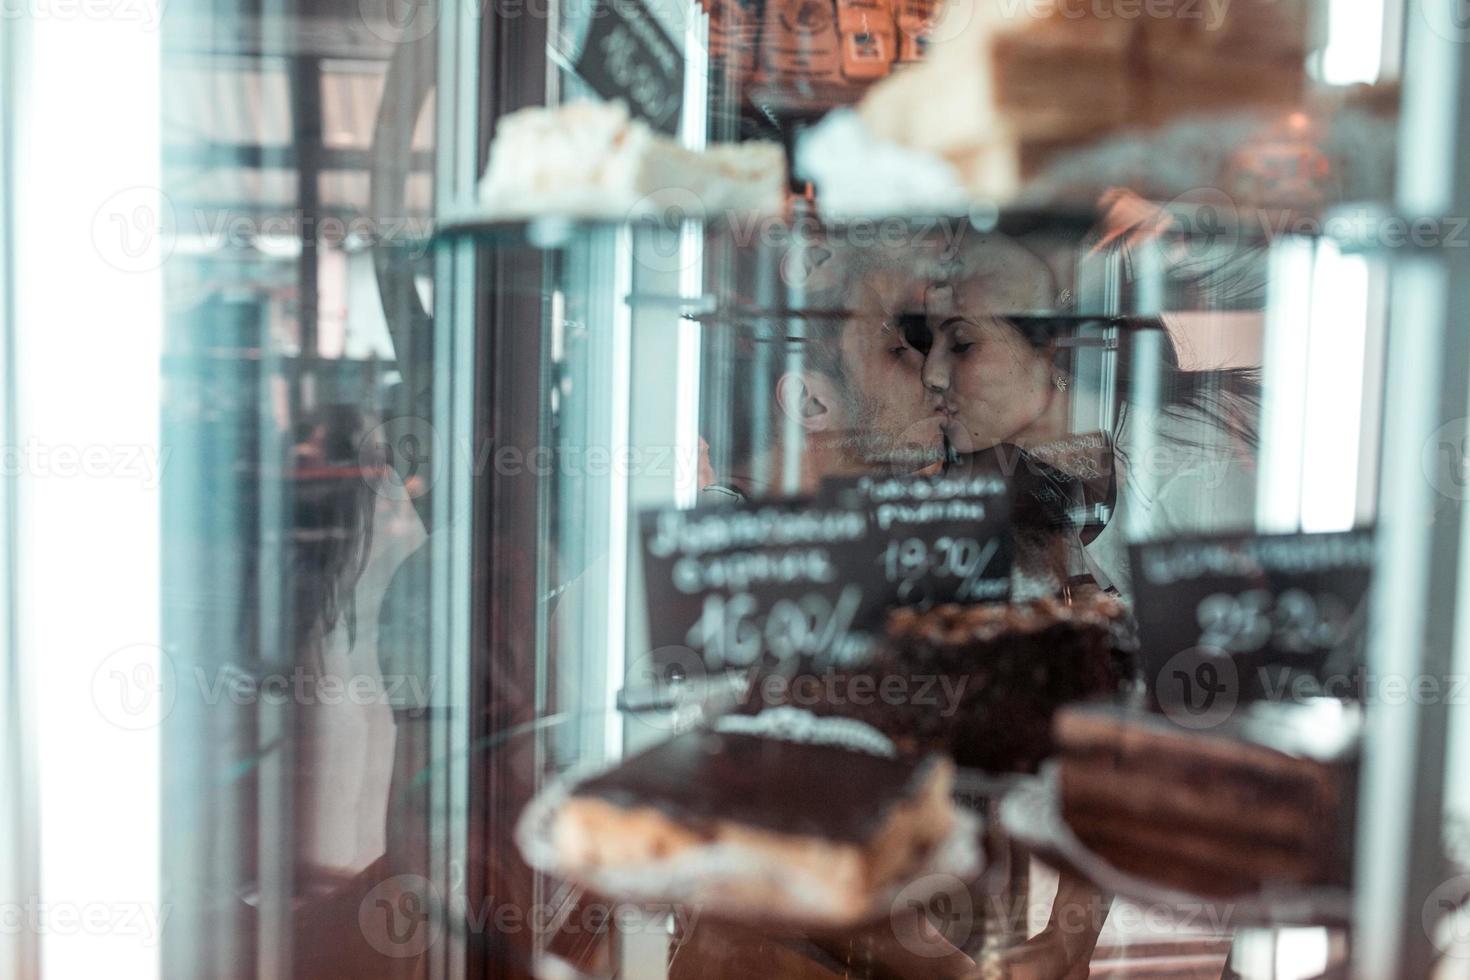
(734, 631)
(1293, 622)
(907, 562)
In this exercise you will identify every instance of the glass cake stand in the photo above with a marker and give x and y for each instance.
(1031, 814)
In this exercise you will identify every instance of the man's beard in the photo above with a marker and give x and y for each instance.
(920, 444)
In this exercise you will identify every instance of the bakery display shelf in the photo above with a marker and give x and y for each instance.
(748, 229)
(1063, 324)
(1208, 232)
(1031, 815)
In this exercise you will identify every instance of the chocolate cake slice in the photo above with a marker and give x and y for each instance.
(829, 797)
(980, 683)
(1266, 796)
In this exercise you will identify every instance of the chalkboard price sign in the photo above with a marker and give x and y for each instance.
(742, 583)
(628, 56)
(1224, 619)
(936, 540)
(811, 580)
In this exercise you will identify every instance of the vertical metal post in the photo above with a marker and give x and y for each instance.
(1415, 604)
(19, 874)
(306, 111)
(451, 586)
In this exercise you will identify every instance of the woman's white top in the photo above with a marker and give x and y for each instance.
(1181, 475)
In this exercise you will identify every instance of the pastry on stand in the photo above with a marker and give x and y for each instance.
(1246, 822)
(782, 819)
(1263, 799)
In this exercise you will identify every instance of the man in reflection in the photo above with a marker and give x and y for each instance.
(835, 389)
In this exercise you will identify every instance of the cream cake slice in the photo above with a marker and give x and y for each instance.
(593, 160)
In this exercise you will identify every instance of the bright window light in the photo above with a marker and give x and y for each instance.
(686, 400)
(1314, 376)
(1284, 375)
(88, 345)
(1301, 954)
(1336, 342)
(620, 432)
(1355, 40)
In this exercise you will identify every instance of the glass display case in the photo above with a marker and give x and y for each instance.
(1208, 373)
(692, 366)
(1029, 547)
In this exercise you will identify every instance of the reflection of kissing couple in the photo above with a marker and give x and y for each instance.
(916, 362)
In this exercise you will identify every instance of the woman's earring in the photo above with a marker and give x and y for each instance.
(1061, 382)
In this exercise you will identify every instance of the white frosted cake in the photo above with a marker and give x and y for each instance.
(591, 159)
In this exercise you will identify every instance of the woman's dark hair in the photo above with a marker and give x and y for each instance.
(1226, 399)
(332, 526)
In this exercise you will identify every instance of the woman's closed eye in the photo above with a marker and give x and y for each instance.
(961, 346)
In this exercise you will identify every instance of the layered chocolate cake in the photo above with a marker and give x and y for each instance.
(1265, 796)
(980, 683)
(828, 798)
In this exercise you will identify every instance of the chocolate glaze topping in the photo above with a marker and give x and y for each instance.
(980, 682)
(796, 788)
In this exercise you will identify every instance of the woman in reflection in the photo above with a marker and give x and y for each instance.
(1181, 463)
(1012, 386)
(353, 524)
